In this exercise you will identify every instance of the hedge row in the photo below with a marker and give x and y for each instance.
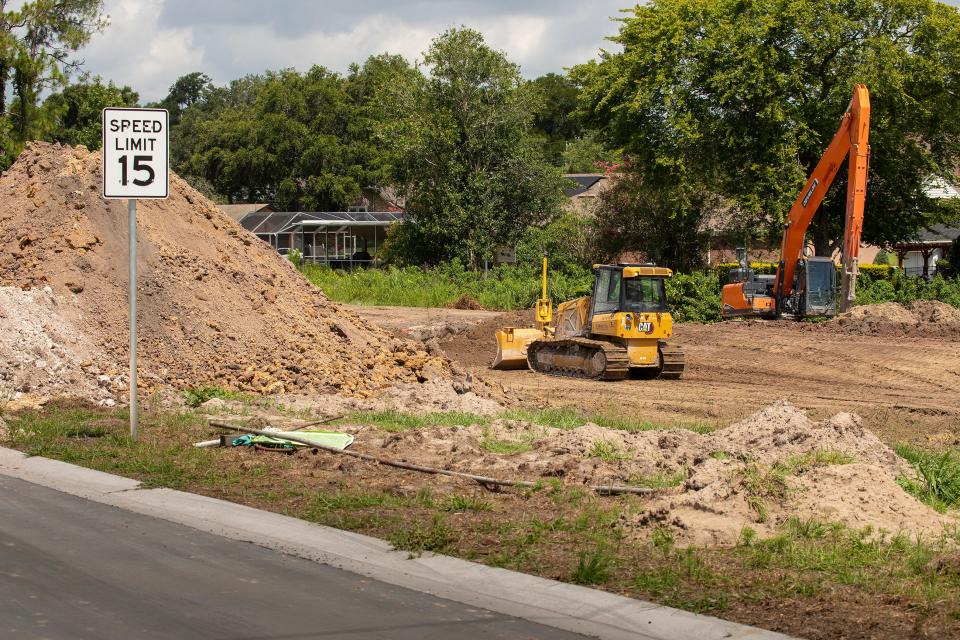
(875, 271)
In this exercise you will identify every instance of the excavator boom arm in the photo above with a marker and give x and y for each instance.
(851, 139)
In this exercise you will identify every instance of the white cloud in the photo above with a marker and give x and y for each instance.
(135, 51)
(150, 43)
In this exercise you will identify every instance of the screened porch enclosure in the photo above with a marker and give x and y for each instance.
(341, 239)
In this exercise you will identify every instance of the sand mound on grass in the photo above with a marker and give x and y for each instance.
(217, 306)
(773, 466)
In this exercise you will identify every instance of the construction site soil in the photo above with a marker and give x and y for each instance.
(899, 372)
(216, 306)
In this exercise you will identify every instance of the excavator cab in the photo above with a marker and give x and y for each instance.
(816, 288)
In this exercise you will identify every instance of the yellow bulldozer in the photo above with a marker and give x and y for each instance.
(620, 330)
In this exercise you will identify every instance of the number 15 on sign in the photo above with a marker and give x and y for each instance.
(135, 145)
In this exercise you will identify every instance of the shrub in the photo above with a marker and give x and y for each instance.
(694, 297)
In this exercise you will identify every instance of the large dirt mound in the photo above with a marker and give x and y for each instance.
(758, 473)
(216, 306)
(922, 318)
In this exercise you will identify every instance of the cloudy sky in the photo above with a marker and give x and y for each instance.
(150, 43)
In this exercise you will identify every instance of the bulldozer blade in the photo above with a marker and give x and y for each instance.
(512, 347)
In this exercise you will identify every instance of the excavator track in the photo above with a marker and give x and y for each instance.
(579, 358)
(672, 361)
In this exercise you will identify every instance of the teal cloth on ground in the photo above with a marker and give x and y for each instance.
(324, 438)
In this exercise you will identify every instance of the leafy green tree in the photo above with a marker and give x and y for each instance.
(300, 141)
(587, 154)
(744, 95)
(667, 225)
(185, 91)
(472, 175)
(75, 112)
(554, 120)
(37, 40)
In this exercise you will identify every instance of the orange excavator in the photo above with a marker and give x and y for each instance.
(806, 286)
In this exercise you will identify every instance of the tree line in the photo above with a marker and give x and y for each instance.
(710, 113)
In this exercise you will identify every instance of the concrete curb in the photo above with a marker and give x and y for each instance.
(563, 606)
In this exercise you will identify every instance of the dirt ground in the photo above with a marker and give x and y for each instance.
(906, 387)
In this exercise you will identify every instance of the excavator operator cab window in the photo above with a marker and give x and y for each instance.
(817, 287)
(644, 295)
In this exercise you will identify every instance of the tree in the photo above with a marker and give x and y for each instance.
(36, 43)
(667, 225)
(185, 91)
(76, 112)
(472, 175)
(744, 95)
(35, 46)
(301, 141)
(587, 154)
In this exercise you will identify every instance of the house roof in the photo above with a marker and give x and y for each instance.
(939, 233)
(237, 211)
(584, 182)
(287, 221)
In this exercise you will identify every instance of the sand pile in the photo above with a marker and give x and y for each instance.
(758, 473)
(435, 395)
(922, 318)
(216, 306)
(42, 355)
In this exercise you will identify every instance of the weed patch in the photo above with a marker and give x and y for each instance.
(593, 567)
(939, 477)
(606, 451)
(466, 503)
(417, 538)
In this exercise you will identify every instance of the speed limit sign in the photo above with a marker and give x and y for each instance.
(135, 145)
(135, 166)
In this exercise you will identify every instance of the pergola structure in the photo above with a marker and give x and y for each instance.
(340, 239)
(930, 244)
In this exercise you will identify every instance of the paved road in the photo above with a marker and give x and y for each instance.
(71, 568)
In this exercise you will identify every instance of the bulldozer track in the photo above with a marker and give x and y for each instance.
(579, 358)
(672, 361)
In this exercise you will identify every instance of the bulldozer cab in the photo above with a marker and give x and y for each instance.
(633, 288)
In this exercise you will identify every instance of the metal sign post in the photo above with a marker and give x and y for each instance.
(132, 294)
(135, 166)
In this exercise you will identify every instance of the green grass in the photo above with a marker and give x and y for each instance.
(466, 503)
(196, 396)
(762, 483)
(417, 537)
(593, 566)
(800, 464)
(606, 451)
(662, 480)
(569, 418)
(505, 447)
(395, 421)
(563, 418)
(506, 287)
(938, 483)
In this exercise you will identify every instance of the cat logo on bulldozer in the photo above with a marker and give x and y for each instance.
(645, 327)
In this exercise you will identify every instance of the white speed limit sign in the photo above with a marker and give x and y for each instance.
(135, 166)
(135, 145)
